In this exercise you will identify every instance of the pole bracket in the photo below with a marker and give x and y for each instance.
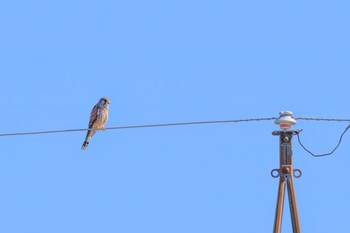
(275, 173)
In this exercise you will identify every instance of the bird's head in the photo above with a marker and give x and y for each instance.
(105, 100)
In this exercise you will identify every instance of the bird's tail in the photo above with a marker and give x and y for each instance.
(89, 134)
(85, 145)
(86, 142)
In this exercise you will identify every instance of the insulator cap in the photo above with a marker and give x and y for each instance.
(285, 120)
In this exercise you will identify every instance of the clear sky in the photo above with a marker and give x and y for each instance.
(163, 62)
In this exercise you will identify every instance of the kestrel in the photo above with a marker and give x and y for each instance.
(98, 119)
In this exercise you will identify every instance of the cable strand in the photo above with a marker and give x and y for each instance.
(197, 123)
(320, 119)
(325, 154)
(141, 126)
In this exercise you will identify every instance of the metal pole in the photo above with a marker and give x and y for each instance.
(279, 206)
(286, 173)
(293, 205)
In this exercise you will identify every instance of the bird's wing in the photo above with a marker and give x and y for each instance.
(93, 115)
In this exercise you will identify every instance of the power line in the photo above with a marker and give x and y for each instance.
(321, 119)
(325, 154)
(198, 123)
(142, 126)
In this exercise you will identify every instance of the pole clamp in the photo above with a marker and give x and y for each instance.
(286, 170)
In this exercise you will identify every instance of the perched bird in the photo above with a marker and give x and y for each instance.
(98, 119)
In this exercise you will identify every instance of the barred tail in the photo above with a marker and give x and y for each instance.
(89, 134)
(85, 144)
(87, 140)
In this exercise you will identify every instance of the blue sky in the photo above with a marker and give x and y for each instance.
(164, 62)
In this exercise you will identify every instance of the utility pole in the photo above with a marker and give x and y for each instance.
(286, 172)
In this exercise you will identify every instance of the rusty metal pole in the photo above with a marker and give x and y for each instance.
(286, 172)
(279, 206)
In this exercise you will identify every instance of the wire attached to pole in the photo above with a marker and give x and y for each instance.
(326, 154)
(142, 126)
(197, 123)
(321, 119)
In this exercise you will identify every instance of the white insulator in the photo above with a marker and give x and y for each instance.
(285, 120)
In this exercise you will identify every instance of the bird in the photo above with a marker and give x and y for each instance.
(98, 119)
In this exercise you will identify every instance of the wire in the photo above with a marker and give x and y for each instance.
(196, 123)
(142, 126)
(320, 119)
(326, 154)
